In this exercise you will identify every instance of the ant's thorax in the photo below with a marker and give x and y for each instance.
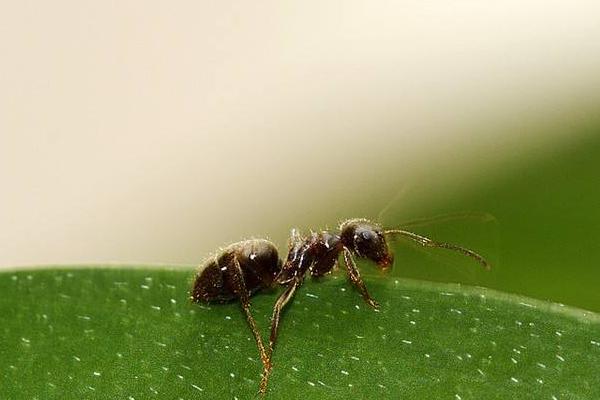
(316, 253)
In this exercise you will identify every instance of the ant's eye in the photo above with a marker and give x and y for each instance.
(368, 235)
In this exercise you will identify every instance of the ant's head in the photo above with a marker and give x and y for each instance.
(367, 240)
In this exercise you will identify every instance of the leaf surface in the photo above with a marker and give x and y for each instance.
(132, 334)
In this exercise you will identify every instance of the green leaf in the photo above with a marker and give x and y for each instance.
(132, 333)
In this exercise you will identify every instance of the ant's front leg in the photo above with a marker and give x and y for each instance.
(240, 288)
(355, 278)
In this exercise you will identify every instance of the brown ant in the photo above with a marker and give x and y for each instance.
(247, 267)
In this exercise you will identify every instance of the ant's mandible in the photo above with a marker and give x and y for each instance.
(245, 268)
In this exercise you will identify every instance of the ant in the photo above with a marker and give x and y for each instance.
(244, 268)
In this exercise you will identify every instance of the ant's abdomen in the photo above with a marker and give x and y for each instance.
(218, 279)
(209, 285)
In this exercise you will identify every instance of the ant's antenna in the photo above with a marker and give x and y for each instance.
(426, 242)
(476, 215)
(399, 194)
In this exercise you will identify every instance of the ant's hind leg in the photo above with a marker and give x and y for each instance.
(240, 287)
(355, 278)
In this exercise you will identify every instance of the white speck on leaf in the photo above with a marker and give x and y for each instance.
(197, 388)
(527, 305)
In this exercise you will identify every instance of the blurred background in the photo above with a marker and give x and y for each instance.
(153, 132)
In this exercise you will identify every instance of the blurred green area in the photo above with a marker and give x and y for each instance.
(546, 241)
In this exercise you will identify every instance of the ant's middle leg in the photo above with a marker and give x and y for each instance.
(355, 278)
(240, 287)
(281, 302)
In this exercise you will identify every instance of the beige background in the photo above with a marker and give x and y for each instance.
(157, 131)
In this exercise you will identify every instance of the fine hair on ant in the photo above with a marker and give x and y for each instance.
(245, 268)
